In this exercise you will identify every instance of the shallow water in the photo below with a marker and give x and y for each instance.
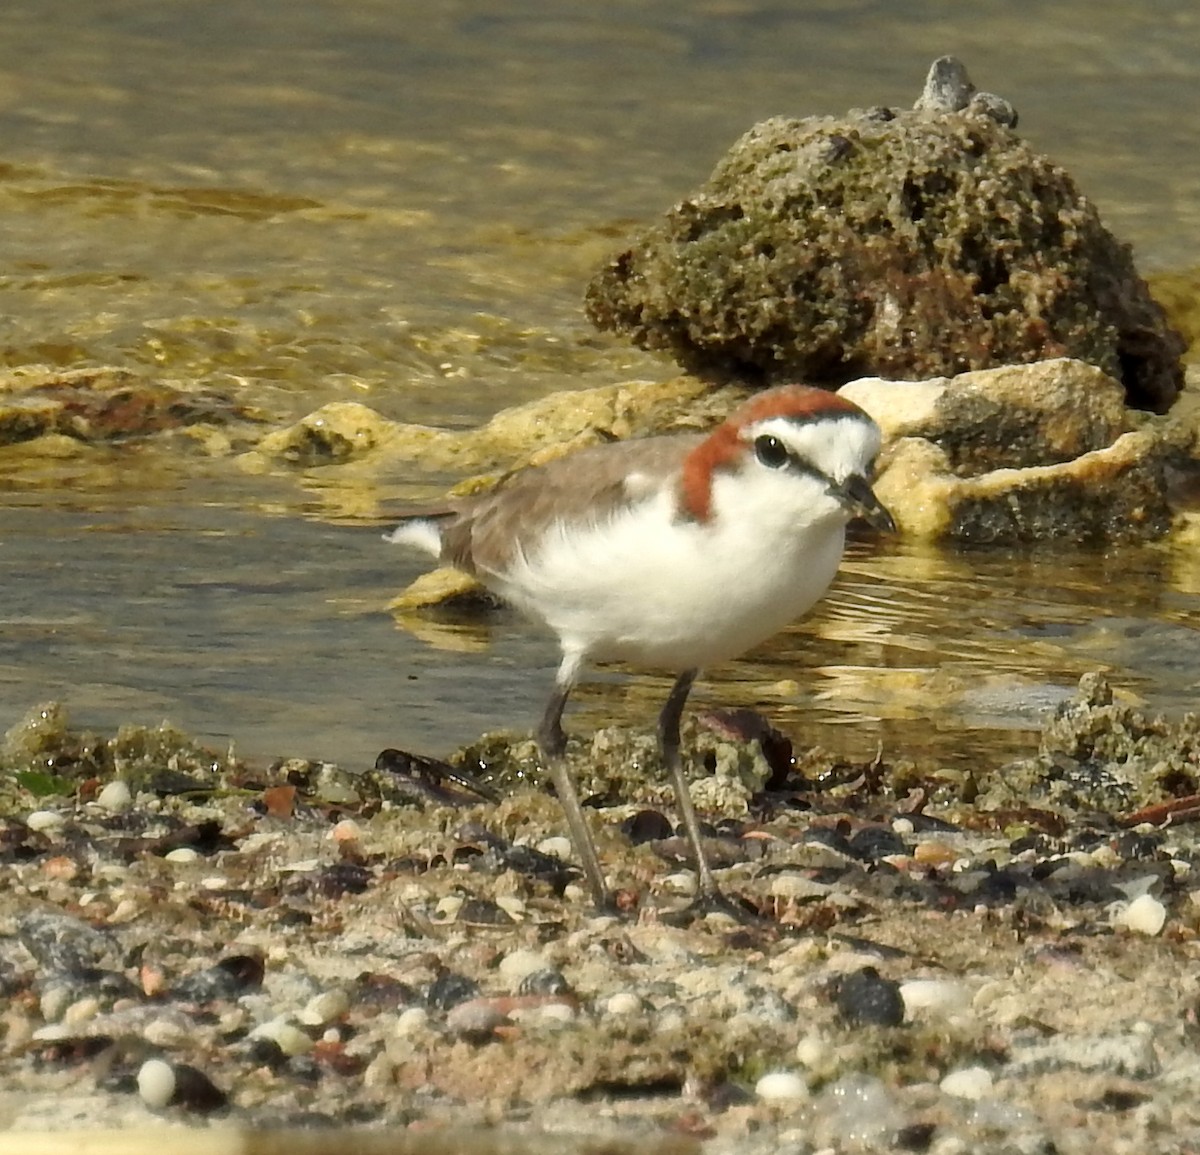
(400, 204)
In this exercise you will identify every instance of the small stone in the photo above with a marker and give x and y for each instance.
(781, 1087)
(288, 1037)
(557, 845)
(325, 1007)
(935, 853)
(411, 1021)
(475, 1021)
(167, 1032)
(156, 1083)
(547, 981)
(115, 797)
(968, 1083)
(54, 1002)
(45, 821)
(815, 1053)
(1144, 915)
(553, 1014)
(867, 998)
(624, 1003)
(346, 831)
(517, 965)
(80, 1011)
(926, 997)
(182, 854)
(513, 906)
(681, 882)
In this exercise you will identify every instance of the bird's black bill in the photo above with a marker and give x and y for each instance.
(860, 500)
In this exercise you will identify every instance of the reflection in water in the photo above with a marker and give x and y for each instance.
(268, 630)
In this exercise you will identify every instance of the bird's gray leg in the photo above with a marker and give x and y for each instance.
(668, 744)
(552, 742)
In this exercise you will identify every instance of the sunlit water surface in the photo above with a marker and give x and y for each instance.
(400, 204)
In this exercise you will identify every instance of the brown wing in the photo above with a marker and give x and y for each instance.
(486, 531)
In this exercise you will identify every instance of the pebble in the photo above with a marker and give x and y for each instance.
(325, 1007)
(781, 1087)
(80, 1011)
(513, 906)
(45, 820)
(518, 965)
(547, 981)
(411, 1021)
(476, 1020)
(557, 845)
(815, 1053)
(54, 1002)
(623, 1003)
(284, 1033)
(167, 1032)
(795, 885)
(183, 854)
(156, 1083)
(931, 997)
(867, 998)
(968, 1083)
(161, 1084)
(681, 882)
(1144, 915)
(115, 797)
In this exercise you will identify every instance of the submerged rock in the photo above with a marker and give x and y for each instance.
(102, 405)
(899, 243)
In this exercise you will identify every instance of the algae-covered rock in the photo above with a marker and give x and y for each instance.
(897, 243)
(1099, 753)
(103, 404)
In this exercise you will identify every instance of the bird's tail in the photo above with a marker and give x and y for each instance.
(419, 532)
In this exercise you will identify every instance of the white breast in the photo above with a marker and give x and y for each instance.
(649, 587)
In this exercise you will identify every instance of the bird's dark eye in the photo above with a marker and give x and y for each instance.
(771, 451)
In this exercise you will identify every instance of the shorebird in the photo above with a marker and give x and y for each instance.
(674, 552)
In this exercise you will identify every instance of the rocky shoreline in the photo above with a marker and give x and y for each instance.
(993, 961)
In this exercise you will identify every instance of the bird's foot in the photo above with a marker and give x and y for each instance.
(716, 901)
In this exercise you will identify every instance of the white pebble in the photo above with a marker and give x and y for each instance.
(54, 1002)
(156, 1083)
(968, 1083)
(411, 1021)
(325, 1007)
(546, 1015)
(475, 1019)
(182, 854)
(520, 964)
(681, 882)
(1144, 915)
(115, 797)
(167, 1032)
(926, 997)
(513, 906)
(814, 1052)
(557, 845)
(623, 1003)
(81, 1010)
(45, 820)
(781, 1086)
(288, 1037)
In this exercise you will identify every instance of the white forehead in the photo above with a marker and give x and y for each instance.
(837, 445)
